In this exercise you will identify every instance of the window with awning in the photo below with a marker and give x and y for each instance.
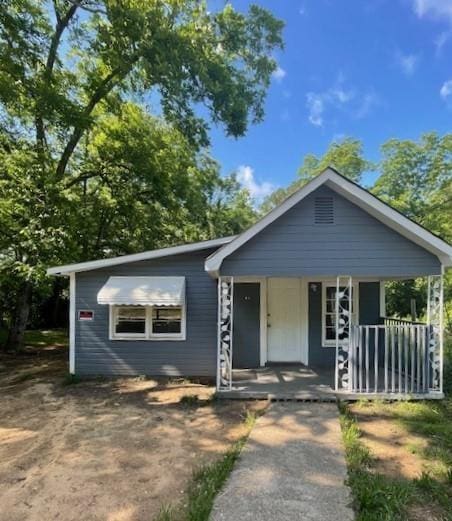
(145, 308)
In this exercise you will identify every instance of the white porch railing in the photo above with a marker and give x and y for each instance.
(397, 357)
(391, 359)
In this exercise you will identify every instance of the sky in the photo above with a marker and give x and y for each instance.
(369, 69)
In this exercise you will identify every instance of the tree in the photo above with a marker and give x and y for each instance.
(416, 179)
(85, 60)
(346, 156)
(143, 186)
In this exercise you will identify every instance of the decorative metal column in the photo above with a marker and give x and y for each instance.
(225, 325)
(435, 332)
(344, 310)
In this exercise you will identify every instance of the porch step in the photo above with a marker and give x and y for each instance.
(277, 397)
(325, 397)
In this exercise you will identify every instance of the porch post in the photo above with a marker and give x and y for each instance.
(343, 327)
(435, 331)
(225, 326)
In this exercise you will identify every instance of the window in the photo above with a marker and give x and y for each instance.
(329, 312)
(166, 321)
(147, 322)
(130, 321)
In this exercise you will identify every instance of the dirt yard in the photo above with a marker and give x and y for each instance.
(102, 450)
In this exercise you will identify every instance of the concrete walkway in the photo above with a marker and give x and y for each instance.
(292, 468)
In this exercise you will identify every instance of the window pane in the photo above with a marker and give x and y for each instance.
(330, 320)
(167, 313)
(331, 292)
(167, 320)
(330, 311)
(330, 333)
(130, 320)
(331, 306)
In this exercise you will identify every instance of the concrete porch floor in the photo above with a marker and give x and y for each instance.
(283, 382)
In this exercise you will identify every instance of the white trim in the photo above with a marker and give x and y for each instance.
(382, 298)
(148, 335)
(353, 193)
(72, 316)
(136, 257)
(355, 307)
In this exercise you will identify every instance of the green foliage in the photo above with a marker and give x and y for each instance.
(85, 170)
(416, 179)
(346, 156)
(71, 379)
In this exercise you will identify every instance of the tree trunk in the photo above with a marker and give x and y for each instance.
(19, 321)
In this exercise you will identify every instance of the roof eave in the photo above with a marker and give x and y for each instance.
(66, 270)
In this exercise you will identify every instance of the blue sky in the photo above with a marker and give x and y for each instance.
(370, 69)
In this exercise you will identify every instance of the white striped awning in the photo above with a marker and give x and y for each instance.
(143, 291)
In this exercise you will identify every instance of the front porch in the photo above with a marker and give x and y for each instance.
(333, 344)
(283, 382)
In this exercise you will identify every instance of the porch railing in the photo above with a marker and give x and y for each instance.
(394, 321)
(391, 358)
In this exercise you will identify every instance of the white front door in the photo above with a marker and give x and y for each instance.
(284, 320)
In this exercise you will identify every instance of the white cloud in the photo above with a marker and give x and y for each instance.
(258, 191)
(316, 107)
(441, 40)
(407, 62)
(435, 9)
(279, 74)
(356, 104)
(446, 90)
(367, 102)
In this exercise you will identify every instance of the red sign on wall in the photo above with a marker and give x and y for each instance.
(85, 314)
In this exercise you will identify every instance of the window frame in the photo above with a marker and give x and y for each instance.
(355, 290)
(148, 334)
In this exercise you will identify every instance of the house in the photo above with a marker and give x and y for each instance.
(305, 285)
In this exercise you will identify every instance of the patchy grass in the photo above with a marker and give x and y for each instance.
(41, 338)
(45, 354)
(71, 379)
(208, 480)
(382, 497)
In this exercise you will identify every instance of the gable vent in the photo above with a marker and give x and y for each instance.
(324, 210)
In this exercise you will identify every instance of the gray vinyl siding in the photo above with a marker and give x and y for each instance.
(369, 313)
(95, 354)
(356, 244)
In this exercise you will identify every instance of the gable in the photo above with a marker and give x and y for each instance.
(326, 234)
